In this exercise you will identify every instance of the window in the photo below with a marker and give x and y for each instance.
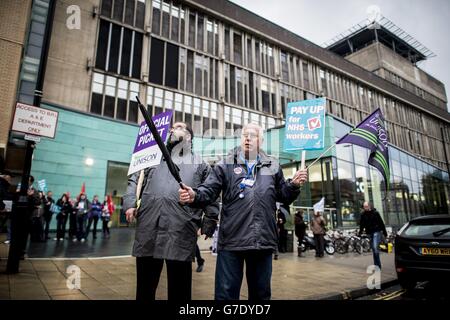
(249, 54)
(284, 67)
(305, 75)
(257, 56)
(156, 61)
(210, 37)
(237, 47)
(114, 98)
(171, 77)
(192, 29)
(165, 19)
(227, 43)
(183, 62)
(200, 27)
(119, 50)
(156, 16)
(198, 74)
(130, 12)
(323, 82)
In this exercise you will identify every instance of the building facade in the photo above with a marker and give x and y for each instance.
(219, 66)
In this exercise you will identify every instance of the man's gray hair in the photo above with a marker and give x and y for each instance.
(257, 127)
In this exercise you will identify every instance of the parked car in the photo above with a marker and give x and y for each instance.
(422, 250)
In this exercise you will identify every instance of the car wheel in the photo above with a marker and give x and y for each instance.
(406, 282)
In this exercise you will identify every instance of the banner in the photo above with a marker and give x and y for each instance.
(371, 133)
(146, 152)
(319, 206)
(305, 125)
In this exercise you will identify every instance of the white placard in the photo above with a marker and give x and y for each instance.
(35, 121)
(8, 205)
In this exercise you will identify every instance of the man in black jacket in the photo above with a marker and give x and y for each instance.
(372, 223)
(251, 183)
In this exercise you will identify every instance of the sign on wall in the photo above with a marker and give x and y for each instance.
(35, 121)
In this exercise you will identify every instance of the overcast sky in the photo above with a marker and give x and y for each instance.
(321, 20)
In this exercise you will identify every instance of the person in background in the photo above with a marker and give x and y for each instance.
(108, 210)
(372, 223)
(93, 216)
(73, 220)
(282, 232)
(37, 222)
(64, 211)
(48, 214)
(300, 230)
(198, 256)
(5, 211)
(318, 229)
(83, 207)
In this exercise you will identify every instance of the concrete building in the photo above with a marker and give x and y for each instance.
(219, 66)
(14, 19)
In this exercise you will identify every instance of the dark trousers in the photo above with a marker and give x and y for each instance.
(48, 220)
(320, 244)
(179, 278)
(37, 229)
(94, 232)
(61, 222)
(81, 226)
(282, 241)
(72, 225)
(198, 256)
(230, 271)
(105, 227)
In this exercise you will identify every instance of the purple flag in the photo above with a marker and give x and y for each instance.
(371, 133)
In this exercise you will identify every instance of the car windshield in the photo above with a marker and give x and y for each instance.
(424, 229)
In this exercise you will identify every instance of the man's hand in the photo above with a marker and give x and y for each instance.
(131, 214)
(300, 177)
(187, 195)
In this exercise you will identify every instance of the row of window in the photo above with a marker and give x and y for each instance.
(405, 84)
(116, 98)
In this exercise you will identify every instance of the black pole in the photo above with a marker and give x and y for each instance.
(20, 217)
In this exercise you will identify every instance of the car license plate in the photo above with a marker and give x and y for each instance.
(435, 251)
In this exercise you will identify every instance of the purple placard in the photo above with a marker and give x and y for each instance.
(145, 137)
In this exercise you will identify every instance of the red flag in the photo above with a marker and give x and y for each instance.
(110, 203)
(83, 188)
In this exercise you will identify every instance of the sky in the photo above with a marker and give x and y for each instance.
(321, 20)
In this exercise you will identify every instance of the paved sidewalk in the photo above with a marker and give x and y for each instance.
(114, 278)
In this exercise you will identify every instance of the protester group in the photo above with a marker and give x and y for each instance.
(76, 217)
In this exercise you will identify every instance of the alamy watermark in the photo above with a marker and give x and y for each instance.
(74, 279)
(374, 280)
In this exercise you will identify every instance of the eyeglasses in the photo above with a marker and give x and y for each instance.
(180, 127)
(249, 136)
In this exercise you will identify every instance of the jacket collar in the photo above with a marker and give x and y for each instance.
(264, 158)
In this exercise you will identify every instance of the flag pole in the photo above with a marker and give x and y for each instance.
(333, 145)
(302, 164)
